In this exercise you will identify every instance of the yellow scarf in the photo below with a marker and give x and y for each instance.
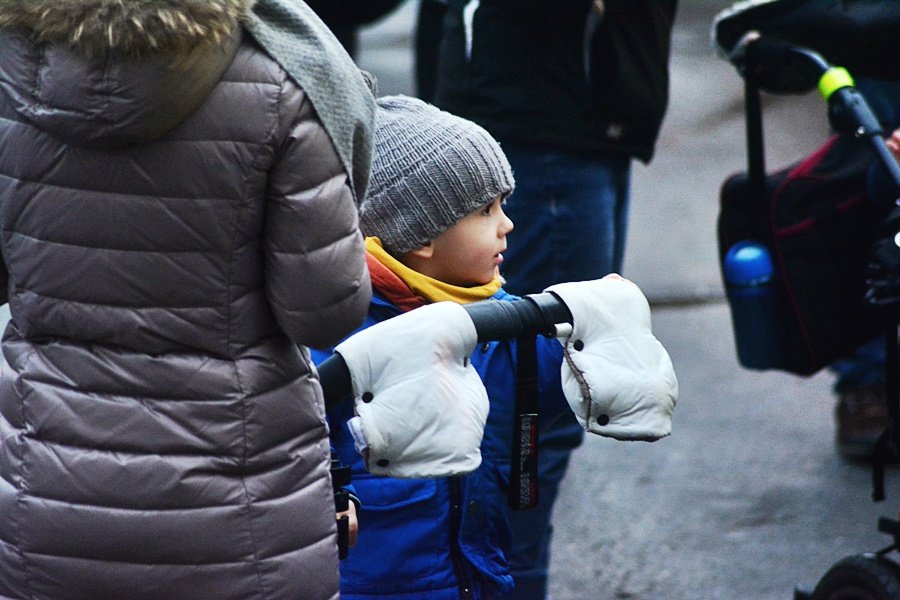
(427, 287)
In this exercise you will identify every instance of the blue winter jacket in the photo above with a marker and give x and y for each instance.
(443, 538)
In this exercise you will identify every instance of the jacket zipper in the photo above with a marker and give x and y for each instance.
(462, 575)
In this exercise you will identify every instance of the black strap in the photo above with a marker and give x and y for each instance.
(340, 477)
(886, 448)
(523, 482)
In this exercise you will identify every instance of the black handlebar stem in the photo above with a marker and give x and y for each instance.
(849, 114)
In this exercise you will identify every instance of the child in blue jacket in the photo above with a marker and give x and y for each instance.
(434, 214)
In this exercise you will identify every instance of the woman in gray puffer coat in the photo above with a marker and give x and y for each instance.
(174, 221)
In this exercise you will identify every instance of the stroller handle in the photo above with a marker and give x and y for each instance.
(753, 52)
(785, 67)
(533, 314)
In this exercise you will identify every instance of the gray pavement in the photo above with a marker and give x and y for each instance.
(748, 497)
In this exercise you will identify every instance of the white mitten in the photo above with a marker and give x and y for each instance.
(420, 405)
(617, 377)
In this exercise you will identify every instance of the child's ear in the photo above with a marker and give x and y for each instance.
(423, 251)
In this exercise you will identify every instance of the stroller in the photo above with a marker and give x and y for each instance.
(836, 259)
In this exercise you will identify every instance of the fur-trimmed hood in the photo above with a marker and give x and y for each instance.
(103, 73)
(126, 27)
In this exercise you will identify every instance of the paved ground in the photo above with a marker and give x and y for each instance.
(748, 497)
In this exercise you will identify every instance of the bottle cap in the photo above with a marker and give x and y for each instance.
(748, 262)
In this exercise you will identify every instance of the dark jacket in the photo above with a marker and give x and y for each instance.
(345, 17)
(170, 231)
(553, 73)
(433, 538)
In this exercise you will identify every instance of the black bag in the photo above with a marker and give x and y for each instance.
(819, 225)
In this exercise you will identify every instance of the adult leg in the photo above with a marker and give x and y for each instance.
(861, 412)
(570, 213)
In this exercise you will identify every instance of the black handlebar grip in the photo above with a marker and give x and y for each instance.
(531, 315)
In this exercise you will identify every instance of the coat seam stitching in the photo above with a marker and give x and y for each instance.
(248, 502)
(20, 494)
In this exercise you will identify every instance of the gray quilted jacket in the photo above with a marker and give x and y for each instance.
(170, 231)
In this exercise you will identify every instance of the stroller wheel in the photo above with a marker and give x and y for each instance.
(860, 577)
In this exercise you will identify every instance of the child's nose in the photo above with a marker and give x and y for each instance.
(506, 224)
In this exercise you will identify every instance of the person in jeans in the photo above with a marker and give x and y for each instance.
(861, 412)
(573, 90)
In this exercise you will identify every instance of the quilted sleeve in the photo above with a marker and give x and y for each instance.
(316, 275)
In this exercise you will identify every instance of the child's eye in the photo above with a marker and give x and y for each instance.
(486, 211)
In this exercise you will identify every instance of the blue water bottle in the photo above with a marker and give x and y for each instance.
(753, 295)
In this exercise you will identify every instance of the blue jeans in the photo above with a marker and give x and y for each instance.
(570, 212)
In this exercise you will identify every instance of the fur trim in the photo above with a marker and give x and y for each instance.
(126, 27)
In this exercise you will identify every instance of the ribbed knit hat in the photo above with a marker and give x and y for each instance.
(429, 170)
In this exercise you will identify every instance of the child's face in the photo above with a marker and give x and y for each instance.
(469, 253)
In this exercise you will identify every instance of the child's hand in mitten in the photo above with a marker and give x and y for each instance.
(617, 377)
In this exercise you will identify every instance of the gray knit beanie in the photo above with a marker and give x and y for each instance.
(429, 170)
